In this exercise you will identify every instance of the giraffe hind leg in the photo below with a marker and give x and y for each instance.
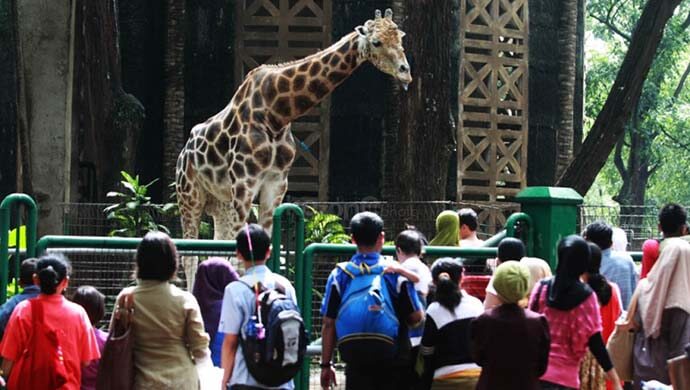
(190, 218)
(271, 196)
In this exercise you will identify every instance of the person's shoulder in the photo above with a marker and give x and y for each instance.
(283, 281)
(471, 304)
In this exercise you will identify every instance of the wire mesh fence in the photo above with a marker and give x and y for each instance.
(638, 222)
(89, 219)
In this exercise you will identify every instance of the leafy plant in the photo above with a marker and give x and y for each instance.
(134, 211)
(324, 228)
(12, 288)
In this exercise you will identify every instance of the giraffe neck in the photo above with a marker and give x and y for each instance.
(313, 78)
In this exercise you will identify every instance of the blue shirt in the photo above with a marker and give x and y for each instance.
(338, 281)
(618, 267)
(238, 307)
(29, 292)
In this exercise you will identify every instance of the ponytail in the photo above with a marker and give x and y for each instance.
(601, 287)
(51, 269)
(447, 274)
(597, 281)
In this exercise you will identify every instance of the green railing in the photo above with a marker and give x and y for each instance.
(31, 224)
(98, 242)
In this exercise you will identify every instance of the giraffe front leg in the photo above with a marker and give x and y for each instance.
(190, 219)
(271, 197)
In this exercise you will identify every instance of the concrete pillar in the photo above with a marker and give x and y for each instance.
(45, 48)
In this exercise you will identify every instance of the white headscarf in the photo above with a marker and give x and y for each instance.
(619, 240)
(666, 286)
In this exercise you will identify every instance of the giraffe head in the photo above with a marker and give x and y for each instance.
(380, 42)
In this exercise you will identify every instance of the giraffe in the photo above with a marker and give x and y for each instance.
(246, 150)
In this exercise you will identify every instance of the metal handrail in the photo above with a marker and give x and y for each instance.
(31, 232)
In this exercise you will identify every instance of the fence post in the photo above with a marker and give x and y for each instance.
(31, 224)
(554, 213)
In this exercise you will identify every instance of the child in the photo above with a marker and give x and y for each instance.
(93, 303)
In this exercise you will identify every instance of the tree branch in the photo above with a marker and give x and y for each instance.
(618, 158)
(623, 97)
(606, 22)
(681, 83)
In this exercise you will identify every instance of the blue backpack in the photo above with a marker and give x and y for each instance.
(367, 325)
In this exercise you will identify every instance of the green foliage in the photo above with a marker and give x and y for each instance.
(324, 228)
(659, 131)
(134, 212)
(12, 288)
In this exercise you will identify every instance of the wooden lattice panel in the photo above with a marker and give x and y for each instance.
(275, 31)
(492, 133)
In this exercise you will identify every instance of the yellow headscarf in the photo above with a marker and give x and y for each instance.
(447, 229)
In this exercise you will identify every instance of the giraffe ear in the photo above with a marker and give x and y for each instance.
(377, 14)
(389, 13)
(401, 33)
(361, 30)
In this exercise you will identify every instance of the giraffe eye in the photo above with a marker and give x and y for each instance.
(376, 43)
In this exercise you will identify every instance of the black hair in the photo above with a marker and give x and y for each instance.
(156, 257)
(409, 242)
(447, 292)
(600, 233)
(52, 269)
(92, 301)
(366, 227)
(510, 248)
(468, 217)
(260, 242)
(27, 271)
(597, 281)
(672, 219)
(422, 237)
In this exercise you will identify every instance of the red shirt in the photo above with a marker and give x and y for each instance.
(72, 326)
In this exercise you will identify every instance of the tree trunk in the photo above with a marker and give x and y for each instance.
(8, 99)
(567, 40)
(624, 96)
(109, 120)
(425, 122)
(174, 134)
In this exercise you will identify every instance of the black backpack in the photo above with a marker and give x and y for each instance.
(274, 357)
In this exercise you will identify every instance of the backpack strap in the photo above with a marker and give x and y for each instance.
(353, 270)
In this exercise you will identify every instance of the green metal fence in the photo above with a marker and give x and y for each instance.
(13, 201)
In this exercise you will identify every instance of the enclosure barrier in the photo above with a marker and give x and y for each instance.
(97, 242)
(31, 223)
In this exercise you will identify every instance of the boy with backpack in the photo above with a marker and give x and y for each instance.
(265, 341)
(368, 313)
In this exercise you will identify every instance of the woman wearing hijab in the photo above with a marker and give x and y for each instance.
(447, 229)
(663, 313)
(510, 343)
(572, 310)
(609, 297)
(209, 286)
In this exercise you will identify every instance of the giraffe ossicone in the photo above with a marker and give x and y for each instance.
(246, 150)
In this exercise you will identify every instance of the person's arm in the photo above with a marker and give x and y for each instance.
(398, 269)
(544, 347)
(195, 334)
(598, 349)
(427, 350)
(327, 347)
(227, 357)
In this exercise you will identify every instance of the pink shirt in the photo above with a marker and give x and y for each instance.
(570, 332)
(89, 373)
(72, 326)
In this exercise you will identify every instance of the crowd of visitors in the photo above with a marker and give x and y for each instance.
(396, 324)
